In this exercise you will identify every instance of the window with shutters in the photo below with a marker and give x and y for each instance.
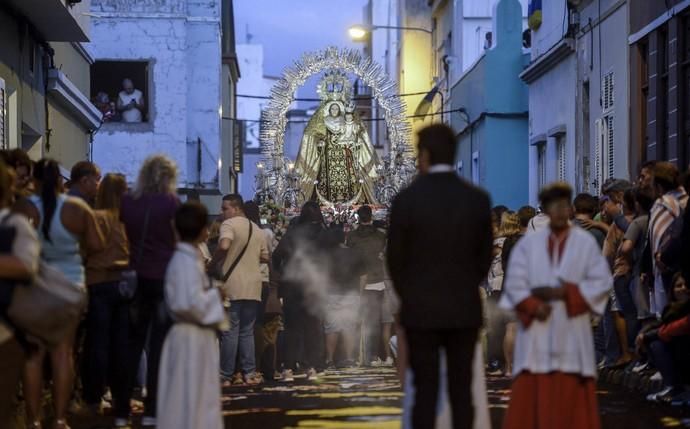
(541, 165)
(600, 131)
(606, 168)
(609, 152)
(607, 92)
(4, 139)
(560, 159)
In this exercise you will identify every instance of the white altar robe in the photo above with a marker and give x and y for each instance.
(188, 383)
(560, 343)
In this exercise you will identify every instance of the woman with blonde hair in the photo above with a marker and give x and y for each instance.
(148, 214)
(107, 321)
(510, 225)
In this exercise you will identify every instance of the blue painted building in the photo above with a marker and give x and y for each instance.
(493, 147)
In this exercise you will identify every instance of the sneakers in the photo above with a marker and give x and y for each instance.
(61, 424)
(388, 361)
(654, 397)
(120, 423)
(148, 421)
(656, 377)
(311, 375)
(494, 369)
(674, 395)
(253, 379)
(277, 375)
(237, 379)
(287, 376)
(640, 366)
(376, 363)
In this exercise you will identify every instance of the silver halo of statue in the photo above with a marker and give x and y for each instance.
(337, 164)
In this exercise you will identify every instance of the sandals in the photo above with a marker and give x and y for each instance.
(61, 424)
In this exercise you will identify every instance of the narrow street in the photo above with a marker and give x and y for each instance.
(371, 398)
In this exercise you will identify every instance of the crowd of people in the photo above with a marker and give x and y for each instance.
(179, 306)
(642, 230)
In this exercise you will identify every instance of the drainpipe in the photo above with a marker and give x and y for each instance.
(198, 161)
(50, 56)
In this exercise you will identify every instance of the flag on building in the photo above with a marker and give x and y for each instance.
(534, 14)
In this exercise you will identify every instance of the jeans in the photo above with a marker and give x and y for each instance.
(105, 347)
(239, 339)
(610, 340)
(670, 359)
(148, 313)
(622, 287)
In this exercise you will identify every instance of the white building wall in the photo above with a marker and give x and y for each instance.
(592, 67)
(204, 97)
(384, 51)
(252, 82)
(181, 42)
(476, 17)
(551, 106)
(163, 44)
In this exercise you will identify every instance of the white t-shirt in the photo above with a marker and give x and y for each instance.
(134, 114)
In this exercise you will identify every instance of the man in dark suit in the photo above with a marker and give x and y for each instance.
(439, 250)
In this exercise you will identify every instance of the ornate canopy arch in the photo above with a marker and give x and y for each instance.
(384, 90)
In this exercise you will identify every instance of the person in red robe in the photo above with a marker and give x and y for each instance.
(556, 279)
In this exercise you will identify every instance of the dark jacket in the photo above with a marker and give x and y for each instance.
(369, 242)
(346, 267)
(299, 251)
(439, 250)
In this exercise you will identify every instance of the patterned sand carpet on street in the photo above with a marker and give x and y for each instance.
(371, 398)
(345, 398)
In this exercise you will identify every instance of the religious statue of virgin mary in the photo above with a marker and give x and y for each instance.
(336, 160)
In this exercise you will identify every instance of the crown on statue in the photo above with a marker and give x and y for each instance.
(350, 107)
(334, 86)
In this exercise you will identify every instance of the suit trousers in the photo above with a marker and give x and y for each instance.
(424, 347)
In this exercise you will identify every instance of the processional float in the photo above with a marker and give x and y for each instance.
(337, 165)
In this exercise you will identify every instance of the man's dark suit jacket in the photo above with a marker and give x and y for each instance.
(439, 250)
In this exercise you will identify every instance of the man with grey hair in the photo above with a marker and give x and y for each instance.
(130, 102)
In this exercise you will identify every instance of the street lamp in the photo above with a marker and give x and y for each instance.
(361, 32)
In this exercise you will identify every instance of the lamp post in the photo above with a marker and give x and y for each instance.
(361, 32)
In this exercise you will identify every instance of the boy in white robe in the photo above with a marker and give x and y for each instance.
(188, 386)
(556, 278)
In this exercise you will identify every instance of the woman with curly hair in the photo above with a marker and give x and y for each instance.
(148, 214)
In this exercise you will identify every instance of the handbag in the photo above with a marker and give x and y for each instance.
(128, 281)
(49, 307)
